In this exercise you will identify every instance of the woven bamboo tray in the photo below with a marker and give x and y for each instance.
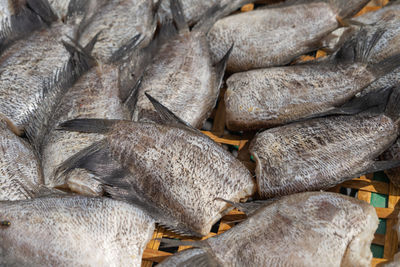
(373, 188)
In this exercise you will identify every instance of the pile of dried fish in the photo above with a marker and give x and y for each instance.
(101, 106)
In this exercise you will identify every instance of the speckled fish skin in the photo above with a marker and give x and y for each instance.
(319, 153)
(183, 187)
(73, 231)
(269, 97)
(25, 67)
(393, 153)
(265, 38)
(95, 95)
(118, 22)
(307, 229)
(20, 173)
(185, 184)
(170, 80)
(194, 9)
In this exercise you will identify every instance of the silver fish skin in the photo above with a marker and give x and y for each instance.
(319, 153)
(393, 153)
(269, 97)
(117, 23)
(73, 231)
(20, 173)
(182, 189)
(306, 229)
(193, 9)
(94, 95)
(265, 38)
(26, 67)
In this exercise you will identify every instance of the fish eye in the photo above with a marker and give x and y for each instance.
(5, 223)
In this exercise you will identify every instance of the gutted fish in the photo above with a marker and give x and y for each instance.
(306, 229)
(118, 23)
(323, 152)
(175, 172)
(269, 97)
(170, 76)
(265, 38)
(95, 95)
(72, 231)
(20, 173)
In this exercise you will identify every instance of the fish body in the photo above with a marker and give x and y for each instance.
(117, 23)
(393, 153)
(180, 192)
(73, 231)
(319, 153)
(94, 95)
(20, 173)
(306, 229)
(266, 38)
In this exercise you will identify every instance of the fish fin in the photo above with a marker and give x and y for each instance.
(131, 101)
(101, 126)
(178, 16)
(248, 208)
(358, 48)
(89, 46)
(380, 166)
(39, 122)
(126, 48)
(393, 105)
(221, 66)
(166, 115)
(43, 9)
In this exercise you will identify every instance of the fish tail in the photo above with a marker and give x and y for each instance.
(43, 9)
(358, 49)
(385, 66)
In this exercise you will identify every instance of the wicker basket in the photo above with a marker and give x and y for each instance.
(374, 188)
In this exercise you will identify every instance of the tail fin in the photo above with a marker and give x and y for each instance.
(101, 126)
(358, 48)
(385, 66)
(43, 9)
(40, 121)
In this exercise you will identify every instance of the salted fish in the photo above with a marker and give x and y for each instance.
(72, 231)
(323, 152)
(306, 229)
(393, 153)
(20, 172)
(265, 38)
(269, 97)
(175, 172)
(170, 76)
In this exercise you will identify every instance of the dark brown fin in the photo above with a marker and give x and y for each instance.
(167, 116)
(221, 66)
(178, 16)
(385, 66)
(40, 121)
(249, 207)
(132, 99)
(358, 48)
(43, 9)
(101, 126)
(125, 49)
(89, 46)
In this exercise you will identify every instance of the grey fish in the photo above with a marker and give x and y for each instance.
(73, 231)
(169, 77)
(35, 72)
(20, 18)
(180, 192)
(269, 97)
(94, 95)
(118, 22)
(20, 173)
(306, 229)
(77, 9)
(265, 38)
(323, 152)
(193, 9)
